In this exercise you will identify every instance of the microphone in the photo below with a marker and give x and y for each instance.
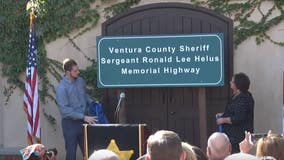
(117, 109)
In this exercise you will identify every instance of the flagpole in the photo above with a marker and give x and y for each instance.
(35, 139)
(32, 15)
(31, 19)
(31, 96)
(30, 137)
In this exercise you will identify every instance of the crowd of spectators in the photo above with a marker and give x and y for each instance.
(160, 147)
(167, 145)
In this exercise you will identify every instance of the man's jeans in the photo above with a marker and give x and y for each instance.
(73, 135)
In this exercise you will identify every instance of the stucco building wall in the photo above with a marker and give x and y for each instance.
(263, 64)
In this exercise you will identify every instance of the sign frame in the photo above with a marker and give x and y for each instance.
(101, 39)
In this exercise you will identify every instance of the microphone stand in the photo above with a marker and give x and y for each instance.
(117, 109)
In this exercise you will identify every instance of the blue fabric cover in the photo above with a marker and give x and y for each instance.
(96, 109)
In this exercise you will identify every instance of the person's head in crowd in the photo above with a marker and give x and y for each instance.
(200, 155)
(190, 155)
(218, 146)
(240, 82)
(267, 158)
(272, 145)
(164, 145)
(70, 68)
(241, 156)
(36, 152)
(103, 154)
(33, 152)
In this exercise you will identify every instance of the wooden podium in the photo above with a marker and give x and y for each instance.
(125, 138)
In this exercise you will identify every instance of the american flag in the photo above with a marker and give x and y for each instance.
(31, 97)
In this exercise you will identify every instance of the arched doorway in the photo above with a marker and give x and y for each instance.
(190, 111)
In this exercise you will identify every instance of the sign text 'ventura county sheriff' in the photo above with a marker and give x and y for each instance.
(170, 60)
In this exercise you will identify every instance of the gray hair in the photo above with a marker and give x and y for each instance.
(238, 156)
(103, 154)
(219, 145)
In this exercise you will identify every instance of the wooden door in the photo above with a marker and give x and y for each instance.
(182, 105)
(179, 109)
(165, 108)
(147, 105)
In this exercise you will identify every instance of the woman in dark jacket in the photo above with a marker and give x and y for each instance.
(239, 112)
